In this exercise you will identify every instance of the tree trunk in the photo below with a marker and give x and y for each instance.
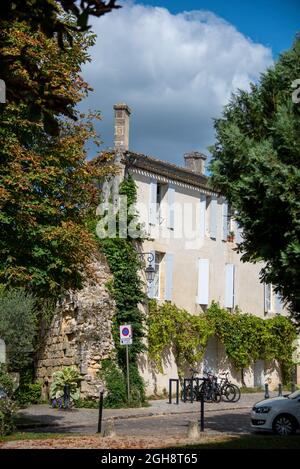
(243, 377)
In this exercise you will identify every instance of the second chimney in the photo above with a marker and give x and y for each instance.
(121, 137)
(195, 161)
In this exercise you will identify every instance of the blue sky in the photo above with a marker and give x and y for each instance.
(177, 63)
(273, 23)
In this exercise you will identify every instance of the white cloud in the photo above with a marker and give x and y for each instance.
(174, 71)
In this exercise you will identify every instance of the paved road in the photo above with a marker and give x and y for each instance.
(160, 419)
(235, 422)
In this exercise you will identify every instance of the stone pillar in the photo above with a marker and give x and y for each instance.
(121, 136)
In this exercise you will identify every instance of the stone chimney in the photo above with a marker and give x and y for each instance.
(121, 137)
(195, 161)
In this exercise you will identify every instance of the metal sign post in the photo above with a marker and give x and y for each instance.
(126, 339)
(128, 381)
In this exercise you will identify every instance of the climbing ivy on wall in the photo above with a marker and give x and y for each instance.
(126, 288)
(173, 329)
(246, 337)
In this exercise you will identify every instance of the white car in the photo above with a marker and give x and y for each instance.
(279, 414)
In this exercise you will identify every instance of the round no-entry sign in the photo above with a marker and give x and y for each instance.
(125, 331)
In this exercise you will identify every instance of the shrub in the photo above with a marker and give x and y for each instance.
(116, 396)
(7, 410)
(28, 392)
(18, 324)
(116, 386)
(6, 381)
(87, 404)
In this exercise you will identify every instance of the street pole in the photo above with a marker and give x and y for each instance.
(127, 365)
(100, 412)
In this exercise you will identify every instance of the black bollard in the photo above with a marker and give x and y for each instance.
(279, 389)
(202, 412)
(170, 391)
(100, 412)
(267, 395)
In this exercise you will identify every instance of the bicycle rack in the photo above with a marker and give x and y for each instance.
(171, 381)
(185, 381)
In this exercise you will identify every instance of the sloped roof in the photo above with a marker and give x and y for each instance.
(164, 168)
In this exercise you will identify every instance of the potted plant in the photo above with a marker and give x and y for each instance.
(230, 236)
(70, 377)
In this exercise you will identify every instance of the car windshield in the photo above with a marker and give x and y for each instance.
(294, 395)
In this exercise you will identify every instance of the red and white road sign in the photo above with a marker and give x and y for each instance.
(126, 334)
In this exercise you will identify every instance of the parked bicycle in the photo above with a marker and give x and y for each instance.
(229, 391)
(211, 387)
(195, 387)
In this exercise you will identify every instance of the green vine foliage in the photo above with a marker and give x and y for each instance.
(243, 335)
(246, 337)
(173, 329)
(126, 288)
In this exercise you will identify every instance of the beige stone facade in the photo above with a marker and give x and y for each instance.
(194, 237)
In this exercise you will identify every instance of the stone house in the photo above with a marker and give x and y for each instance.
(192, 237)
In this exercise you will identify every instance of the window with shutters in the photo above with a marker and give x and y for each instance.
(168, 264)
(159, 275)
(227, 221)
(278, 303)
(268, 298)
(213, 217)
(229, 286)
(203, 282)
(207, 215)
(202, 215)
(161, 191)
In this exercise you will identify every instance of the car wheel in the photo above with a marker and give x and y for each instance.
(284, 425)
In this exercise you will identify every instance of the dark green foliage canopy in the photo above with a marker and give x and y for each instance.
(18, 324)
(256, 165)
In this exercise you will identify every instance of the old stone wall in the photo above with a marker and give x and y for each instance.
(80, 334)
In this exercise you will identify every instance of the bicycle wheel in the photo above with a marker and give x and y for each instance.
(216, 396)
(208, 392)
(237, 393)
(228, 393)
(187, 393)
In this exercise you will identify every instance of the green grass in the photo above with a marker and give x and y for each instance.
(246, 390)
(32, 436)
(262, 441)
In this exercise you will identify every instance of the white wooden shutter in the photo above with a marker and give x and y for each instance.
(267, 297)
(151, 285)
(152, 202)
(203, 281)
(213, 217)
(171, 200)
(229, 286)
(225, 221)
(202, 215)
(239, 233)
(169, 276)
(278, 303)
